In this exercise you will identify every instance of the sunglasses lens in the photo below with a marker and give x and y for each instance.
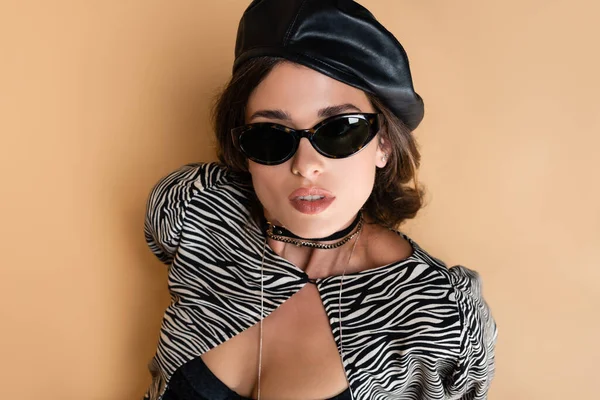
(267, 145)
(342, 137)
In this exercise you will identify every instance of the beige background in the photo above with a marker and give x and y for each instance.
(99, 99)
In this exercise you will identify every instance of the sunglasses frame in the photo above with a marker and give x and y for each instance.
(372, 120)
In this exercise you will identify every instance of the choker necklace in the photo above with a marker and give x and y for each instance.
(281, 234)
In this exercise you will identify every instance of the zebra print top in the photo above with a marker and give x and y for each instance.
(413, 329)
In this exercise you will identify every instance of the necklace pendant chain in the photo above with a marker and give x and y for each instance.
(306, 243)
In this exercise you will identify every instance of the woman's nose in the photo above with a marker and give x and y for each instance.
(307, 161)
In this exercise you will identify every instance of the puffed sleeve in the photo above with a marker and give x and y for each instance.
(475, 369)
(168, 202)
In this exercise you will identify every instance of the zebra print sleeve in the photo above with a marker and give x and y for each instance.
(167, 204)
(474, 372)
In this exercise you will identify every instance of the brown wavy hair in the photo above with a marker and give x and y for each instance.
(396, 196)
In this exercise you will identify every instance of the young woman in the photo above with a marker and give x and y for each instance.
(287, 276)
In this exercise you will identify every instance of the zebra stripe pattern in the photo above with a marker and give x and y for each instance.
(413, 329)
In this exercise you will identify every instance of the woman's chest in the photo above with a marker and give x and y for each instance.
(300, 358)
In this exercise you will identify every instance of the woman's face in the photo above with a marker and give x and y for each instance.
(299, 97)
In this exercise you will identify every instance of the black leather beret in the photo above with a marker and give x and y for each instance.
(339, 38)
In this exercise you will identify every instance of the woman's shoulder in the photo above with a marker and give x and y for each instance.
(383, 246)
(181, 184)
(478, 331)
(465, 284)
(450, 296)
(199, 175)
(169, 202)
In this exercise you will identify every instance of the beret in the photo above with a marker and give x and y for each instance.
(338, 38)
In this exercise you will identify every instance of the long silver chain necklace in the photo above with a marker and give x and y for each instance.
(262, 314)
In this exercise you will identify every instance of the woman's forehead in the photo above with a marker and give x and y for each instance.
(297, 90)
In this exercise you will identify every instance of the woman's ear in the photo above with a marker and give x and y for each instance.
(382, 153)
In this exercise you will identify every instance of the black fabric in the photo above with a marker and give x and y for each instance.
(195, 381)
(339, 38)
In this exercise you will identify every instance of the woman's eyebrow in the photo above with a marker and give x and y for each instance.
(326, 112)
(272, 114)
(339, 109)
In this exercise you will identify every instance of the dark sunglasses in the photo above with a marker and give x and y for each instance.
(339, 136)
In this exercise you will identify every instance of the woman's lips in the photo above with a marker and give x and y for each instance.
(311, 200)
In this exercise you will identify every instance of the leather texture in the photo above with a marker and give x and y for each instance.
(339, 38)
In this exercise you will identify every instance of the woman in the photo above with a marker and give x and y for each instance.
(288, 280)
